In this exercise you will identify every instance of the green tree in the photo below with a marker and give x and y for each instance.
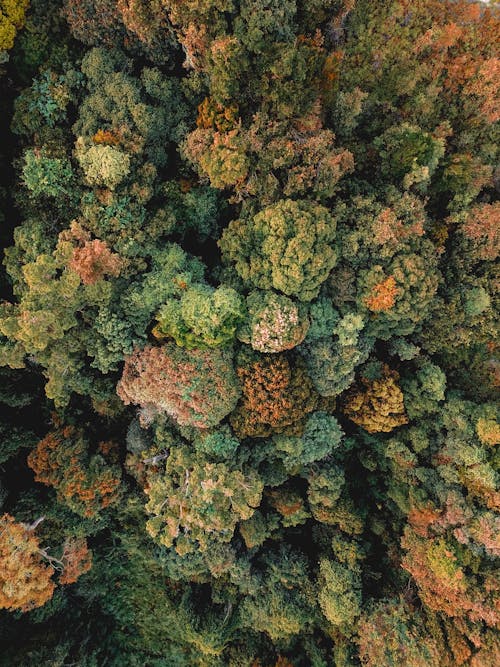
(275, 248)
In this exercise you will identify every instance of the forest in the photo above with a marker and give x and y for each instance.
(249, 373)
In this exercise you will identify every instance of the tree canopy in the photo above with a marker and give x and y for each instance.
(249, 371)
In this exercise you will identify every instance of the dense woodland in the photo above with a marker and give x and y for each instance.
(248, 326)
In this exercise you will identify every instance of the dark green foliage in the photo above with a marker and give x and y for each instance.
(13, 439)
(47, 176)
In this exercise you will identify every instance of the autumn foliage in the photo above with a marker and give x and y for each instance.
(82, 480)
(25, 580)
(249, 302)
(275, 396)
(77, 560)
(93, 261)
(12, 18)
(383, 295)
(378, 406)
(197, 388)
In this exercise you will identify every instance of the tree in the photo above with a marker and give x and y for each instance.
(77, 560)
(448, 539)
(103, 165)
(275, 323)
(197, 388)
(334, 348)
(322, 435)
(379, 407)
(47, 176)
(275, 249)
(423, 389)
(25, 580)
(202, 318)
(388, 266)
(139, 26)
(221, 156)
(339, 595)
(409, 154)
(279, 604)
(391, 633)
(93, 260)
(196, 501)
(12, 17)
(276, 397)
(84, 481)
(480, 228)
